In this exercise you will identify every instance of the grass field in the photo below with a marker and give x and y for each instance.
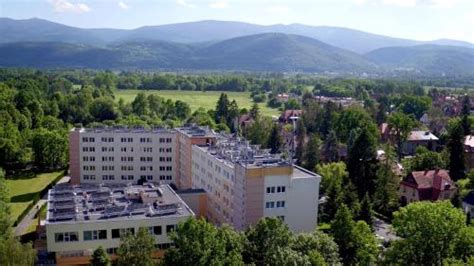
(197, 99)
(23, 190)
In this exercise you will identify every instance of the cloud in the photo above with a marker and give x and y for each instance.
(185, 3)
(408, 3)
(277, 9)
(122, 5)
(401, 3)
(360, 2)
(219, 4)
(62, 6)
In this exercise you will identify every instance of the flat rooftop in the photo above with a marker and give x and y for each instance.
(90, 202)
(196, 131)
(158, 130)
(299, 172)
(232, 150)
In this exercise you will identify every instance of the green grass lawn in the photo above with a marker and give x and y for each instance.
(197, 99)
(23, 190)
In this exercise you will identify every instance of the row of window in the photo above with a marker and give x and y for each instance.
(125, 168)
(278, 189)
(125, 159)
(102, 234)
(86, 139)
(128, 177)
(271, 204)
(126, 149)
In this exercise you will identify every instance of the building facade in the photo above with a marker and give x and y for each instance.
(81, 218)
(187, 137)
(245, 183)
(429, 185)
(120, 155)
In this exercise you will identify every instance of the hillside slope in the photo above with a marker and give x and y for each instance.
(427, 59)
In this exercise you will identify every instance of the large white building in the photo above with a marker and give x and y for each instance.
(245, 183)
(121, 155)
(81, 218)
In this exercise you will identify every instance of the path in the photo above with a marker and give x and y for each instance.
(30, 216)
(384, 231)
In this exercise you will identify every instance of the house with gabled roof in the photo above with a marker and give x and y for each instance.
(429, 185)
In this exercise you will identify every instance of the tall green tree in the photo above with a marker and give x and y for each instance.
(330, 147)
(357, 244)
(456, 150)
(312, 152)
(319, 243)
(402, 125)
(222, 109)
(386, 198)
(366, 213)
(274, 141)
(465, 113)
(300, 141)
(429, 233)
(264, 239)
(254, 111)
(49, 148)
(12, 251)
(198, 242)
(361, 162)
(136, 249)
(100, 257)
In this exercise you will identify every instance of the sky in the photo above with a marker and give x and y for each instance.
(411, 19)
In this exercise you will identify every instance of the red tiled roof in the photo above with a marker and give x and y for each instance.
(289, 113)
(429, 183)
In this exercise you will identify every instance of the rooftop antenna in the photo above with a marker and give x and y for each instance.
(292, 150)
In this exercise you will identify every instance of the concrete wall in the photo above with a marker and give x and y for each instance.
(74, 157)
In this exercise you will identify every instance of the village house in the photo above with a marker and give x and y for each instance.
(469, 151)
(430, 185)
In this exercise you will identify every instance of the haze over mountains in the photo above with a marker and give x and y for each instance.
(222, 45)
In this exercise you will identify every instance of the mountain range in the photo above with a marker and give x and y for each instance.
(224, 45)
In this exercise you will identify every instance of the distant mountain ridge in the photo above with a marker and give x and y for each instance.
(31, 30)
(211, 45)
(261, 52)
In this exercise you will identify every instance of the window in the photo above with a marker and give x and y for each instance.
(281, 204)
(281, 189)
(163, 245)
(170, 228)
(116, 233)
(270, 189)
(66, 237)
(155, 230)
(281, 217)
(270, 204)
(95, 235)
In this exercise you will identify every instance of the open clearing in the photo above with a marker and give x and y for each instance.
(23, 190)
(196, 99)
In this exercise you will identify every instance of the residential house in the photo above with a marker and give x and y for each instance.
(469, 151)
(427, 185)
(419, 138)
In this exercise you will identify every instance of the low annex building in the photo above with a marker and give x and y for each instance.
(427, 185)
(81, 218)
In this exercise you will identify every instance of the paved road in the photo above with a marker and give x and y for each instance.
(30, 217)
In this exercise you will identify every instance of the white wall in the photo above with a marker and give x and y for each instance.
(301, 201)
